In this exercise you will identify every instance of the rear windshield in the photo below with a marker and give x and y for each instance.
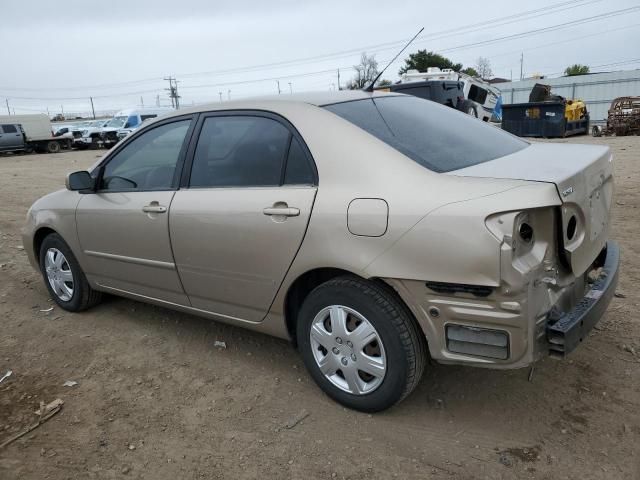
(439, 138)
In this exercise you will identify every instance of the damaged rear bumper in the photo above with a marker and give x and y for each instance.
(566, 330)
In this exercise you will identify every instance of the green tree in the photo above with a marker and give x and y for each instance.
(422, 59)
(470, 71)
(384, 83)
(576, 69)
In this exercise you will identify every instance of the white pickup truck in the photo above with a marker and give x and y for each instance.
(30, 133)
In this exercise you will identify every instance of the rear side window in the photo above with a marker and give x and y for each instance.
(298, 171)
(9, 129)
(439, 138)
(147, 117)
(239, 151)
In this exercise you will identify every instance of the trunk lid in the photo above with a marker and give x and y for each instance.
(583, 175)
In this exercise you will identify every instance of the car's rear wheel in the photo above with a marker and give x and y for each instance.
(63, 276)
(360, 344)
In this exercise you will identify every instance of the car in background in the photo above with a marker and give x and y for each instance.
(90, 134)
(463, 92)
(128, 120)
(376, 230)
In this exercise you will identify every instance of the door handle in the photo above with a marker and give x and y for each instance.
(282, 211)
(153, 207)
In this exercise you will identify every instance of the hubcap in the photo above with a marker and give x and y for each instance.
(59, 274)
(348, 350)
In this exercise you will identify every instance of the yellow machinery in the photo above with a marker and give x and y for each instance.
(575, 110)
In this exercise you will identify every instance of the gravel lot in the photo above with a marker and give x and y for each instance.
(155, 399)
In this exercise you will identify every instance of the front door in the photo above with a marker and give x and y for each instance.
(238, 225)
(10, 137)
(123, 228)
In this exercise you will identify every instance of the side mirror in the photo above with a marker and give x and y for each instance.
(78, 181)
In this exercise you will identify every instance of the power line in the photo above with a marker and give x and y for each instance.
(459, 47)
(390, 45)
(491, 23)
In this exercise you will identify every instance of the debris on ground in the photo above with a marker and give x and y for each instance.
(6, 375)
(49, 407)
(70, 383)
(296, 419)
(45, 412)
(47, 310)
(219, 344)
(619, 295)
(628, 348)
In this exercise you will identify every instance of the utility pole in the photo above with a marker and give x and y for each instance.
(220, 93)
(141, 101)
(62, 110)
(278, 82)
(93, 111)
(158, 100)
(339, 87)
(521, 63)
(173, 92)
(229, 94)
(7, 101)
(290, 88)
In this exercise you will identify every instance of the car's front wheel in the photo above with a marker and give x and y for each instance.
(63, 276)
(360, 344)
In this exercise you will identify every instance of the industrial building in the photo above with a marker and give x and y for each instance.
(597, 90)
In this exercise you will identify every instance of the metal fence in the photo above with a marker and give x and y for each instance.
(597, 90)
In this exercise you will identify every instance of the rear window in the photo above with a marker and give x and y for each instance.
(439, 138)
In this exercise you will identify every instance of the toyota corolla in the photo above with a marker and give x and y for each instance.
(374, 230)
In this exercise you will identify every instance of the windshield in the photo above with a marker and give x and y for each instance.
(117, 122)
(437, 137)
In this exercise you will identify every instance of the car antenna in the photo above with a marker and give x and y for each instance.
(370, 87)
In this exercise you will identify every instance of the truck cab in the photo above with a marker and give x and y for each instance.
(11, 137)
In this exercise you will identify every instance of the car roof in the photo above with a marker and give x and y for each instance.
(311, 98)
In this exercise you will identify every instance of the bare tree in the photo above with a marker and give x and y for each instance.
(483, 67)
(366, 71)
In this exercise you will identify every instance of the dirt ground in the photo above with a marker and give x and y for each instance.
(156, 399)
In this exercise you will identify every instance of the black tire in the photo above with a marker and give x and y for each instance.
(468, 107)
(84, 296)
(403, 342)
(53, 146)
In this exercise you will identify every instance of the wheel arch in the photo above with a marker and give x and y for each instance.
(38, 237)
(306, 282)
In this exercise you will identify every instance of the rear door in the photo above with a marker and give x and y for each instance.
(240, 217)
(10, 137)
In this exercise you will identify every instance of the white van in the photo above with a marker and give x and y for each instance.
(481, 96)
(125, 119)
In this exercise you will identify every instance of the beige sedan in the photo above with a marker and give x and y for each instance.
(374, 230)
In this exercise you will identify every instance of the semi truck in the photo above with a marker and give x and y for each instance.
(27, 133)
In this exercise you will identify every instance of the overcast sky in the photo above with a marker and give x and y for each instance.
(60, 53)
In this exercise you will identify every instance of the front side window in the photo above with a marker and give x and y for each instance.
(149, 161)
(477, 94)
(239, 151)
(131, 122)
(9, 129)
(438, 138)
